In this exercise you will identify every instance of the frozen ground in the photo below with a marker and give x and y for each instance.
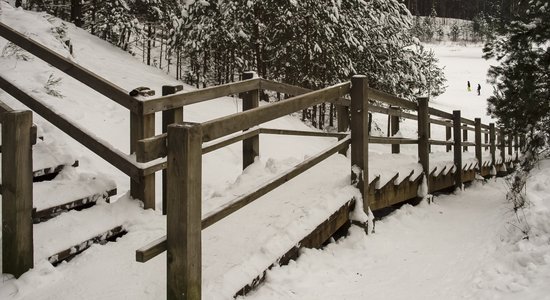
(239, 247)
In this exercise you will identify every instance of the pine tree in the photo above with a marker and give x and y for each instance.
(521, 100)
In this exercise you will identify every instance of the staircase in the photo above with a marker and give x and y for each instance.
(64, 202)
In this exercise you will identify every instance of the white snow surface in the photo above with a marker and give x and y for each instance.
(453, 245)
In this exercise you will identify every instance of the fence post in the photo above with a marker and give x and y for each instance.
(492, 140)
(251, 146)
(516, 145)
(142, 126)
(448, 137)
(169, 116)
(183, 228)
(394, 121)
(423, 135)
(457, 124)
(479, 154)
(510, 144)
(17, 228)
(502, 145)
(465, 138)
(522, 142)
(360, 136)
(486, 141)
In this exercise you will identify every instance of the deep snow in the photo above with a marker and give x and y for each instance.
(238, 248)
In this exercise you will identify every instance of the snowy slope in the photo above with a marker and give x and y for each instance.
(234, 250)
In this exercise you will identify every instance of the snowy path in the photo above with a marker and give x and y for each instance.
(430, 251)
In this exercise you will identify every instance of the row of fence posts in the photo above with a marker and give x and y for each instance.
(182, 178)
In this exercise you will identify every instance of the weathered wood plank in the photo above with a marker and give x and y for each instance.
(457, 151)
(391, 99)
(158, 246)
(72, 69)
(492, 140)
(250, 145)
(170, 116)
(441, 143)
(234, 205)
(394, 129)
(392, 141)
(115, 157)
(17, 228)
(229, 124)
(478, 142)
(182, 99)
(423, 134)
(393, 111)
(302, 133)
(359, 108)
(439, 113)
(183, 220)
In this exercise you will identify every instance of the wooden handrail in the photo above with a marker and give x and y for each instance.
(158, 246)
(391, 99)
(72, 69)
(232, 123)
(182, 99)
(118, 159)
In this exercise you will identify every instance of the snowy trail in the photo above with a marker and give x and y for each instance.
(429, 251)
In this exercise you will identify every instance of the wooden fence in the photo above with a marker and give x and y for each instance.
(183, 145)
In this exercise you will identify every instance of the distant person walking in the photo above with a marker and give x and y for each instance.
(479, 89)
(469, 87)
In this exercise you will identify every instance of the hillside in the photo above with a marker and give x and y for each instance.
(246, 243)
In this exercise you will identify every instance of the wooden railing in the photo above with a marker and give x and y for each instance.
(184, 143)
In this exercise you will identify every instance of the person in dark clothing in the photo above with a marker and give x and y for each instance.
(479, 89)
(469, 87)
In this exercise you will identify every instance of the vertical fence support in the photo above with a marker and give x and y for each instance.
(423, 136)
(486, 141)
(457, 148)
(492, 140)
(502, 144)
(17, 228)
(448, 137)
(522, 142)
(394, 121)
(465, 138)
(360, 136)
(142, 126)
(342, 114)
(516, 146)
(251, 146)
(479, 154)
(510, 144)
(183, 229)
(170, 116)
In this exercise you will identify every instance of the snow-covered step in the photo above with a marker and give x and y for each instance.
(73, 232)
(71, 191)
(49, 159)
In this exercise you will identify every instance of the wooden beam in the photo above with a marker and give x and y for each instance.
(478, 143)
(302, 133)
(170, 116)
(394, 129)
(439, 113)
(391, 99)
(142, 126)
(158, 246)
(229, 124)
(236, 204)
(392, 141)
(457, 150)
(251, 145)
(492, 140)
(502, 145)
(103, 149)
(17, 228)
(183, 221)
(392, 111)
(423, 134)
(196, 96)
(441, 143)
(360, 136)
(87, 77)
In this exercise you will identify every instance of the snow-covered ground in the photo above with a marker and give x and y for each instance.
(238, 248)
